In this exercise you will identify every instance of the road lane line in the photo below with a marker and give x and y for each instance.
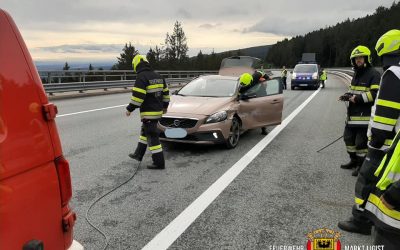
(178, 226)
(92, 110)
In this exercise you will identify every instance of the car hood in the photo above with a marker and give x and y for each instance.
(197, 105)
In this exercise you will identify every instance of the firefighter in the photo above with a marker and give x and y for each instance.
(384, 124)
(150, 93)
(362, 91)
(247, 81)
(260, 76)
(383, 203)
(284, 75)
(323, 78)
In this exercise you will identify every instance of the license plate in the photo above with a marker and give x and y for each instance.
(175, 133)
(303, 85)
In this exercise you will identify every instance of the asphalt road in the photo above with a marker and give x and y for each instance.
(287, 191)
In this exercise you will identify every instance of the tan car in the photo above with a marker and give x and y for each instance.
(209, 109)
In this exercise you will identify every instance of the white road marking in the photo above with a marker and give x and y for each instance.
(92, 110)
(171, 232)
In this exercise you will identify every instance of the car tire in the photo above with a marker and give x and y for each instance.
(234, 134)
(292, 87)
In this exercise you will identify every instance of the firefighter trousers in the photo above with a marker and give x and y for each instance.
(356, 141)
(149, 137)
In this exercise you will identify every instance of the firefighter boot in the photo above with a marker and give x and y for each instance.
(139, 152)
(355, 172)
(158, 161)
(264, 131)
(352, 164)
(360, 161)
(353, 226)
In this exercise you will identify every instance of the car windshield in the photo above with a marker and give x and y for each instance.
(304, 68)
(210, 87)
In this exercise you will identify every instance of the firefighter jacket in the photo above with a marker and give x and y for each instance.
(150, 93)
(384, 123)
(364, 86)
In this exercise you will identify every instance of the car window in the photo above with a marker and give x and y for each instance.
(266, 88)
(305, 68)
(273, 87)
(210, 87)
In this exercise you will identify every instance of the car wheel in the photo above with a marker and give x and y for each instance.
(234, 134)
(292, 87)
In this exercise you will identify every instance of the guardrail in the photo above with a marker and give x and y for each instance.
(84, 86)
(63, 76)
(83, 80)
(80, 80)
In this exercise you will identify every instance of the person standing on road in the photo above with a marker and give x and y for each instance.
(383, 203)
(383, 126)
(248, 81)
(362, 91)
(151, 94)
(323, 78)
(284, 75)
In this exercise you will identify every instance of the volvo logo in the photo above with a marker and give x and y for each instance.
(177, 123)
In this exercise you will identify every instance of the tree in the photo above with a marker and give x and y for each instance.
(125, 58)
(199, 61)
(151, 57)
(176, 47)
(90, 67)
(66, 66)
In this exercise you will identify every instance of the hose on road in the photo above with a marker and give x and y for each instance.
(330, 144)
(102, 197)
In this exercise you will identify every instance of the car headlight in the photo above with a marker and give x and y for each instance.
(293, 75)
(217, 117)
(315, 76)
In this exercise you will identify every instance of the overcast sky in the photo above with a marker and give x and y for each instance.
(92, 30)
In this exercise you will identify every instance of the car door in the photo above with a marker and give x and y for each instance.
(264, 106)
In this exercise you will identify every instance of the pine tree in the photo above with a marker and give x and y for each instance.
(176, 47)
(66, 66)
(125, 58)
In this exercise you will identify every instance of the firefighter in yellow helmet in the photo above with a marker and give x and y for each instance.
(247, 81)
(362, 93)
(383, 202)
(151, 95)
(384, 124)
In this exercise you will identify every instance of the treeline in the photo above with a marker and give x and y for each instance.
(333, 45)
(173, 55)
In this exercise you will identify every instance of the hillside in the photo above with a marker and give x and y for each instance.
(333, 45)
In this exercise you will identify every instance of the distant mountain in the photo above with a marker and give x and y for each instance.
(58, 65)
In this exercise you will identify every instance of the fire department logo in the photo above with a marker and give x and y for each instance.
(323, 239)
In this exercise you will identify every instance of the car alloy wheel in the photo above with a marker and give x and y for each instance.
(234, 133)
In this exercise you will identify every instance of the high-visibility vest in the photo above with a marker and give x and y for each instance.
(389, 172)
(284, 73)
(323, 76)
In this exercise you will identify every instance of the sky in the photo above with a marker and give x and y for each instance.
(96, 30)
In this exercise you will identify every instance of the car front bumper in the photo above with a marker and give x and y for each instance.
(304, 83)
(201, 133)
